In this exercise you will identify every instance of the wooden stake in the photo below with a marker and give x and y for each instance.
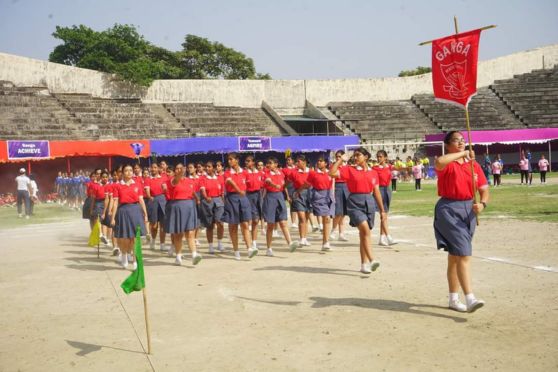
(147, 327)
(482, 29)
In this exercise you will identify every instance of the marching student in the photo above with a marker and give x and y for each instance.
(156, 205)
(341, 195)
(455, 216)
(106, 217)
(362, 182)
(383, 168)
(322, 197)
(254, 183)
(89, 201)
(301, 197)
(127, 214)
(192, 173)
(181, 216)
(287, 170)
(274, 206)
(99, 194)
(237, 206)
(212, 206)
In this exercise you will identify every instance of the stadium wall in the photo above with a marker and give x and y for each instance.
(250, 93)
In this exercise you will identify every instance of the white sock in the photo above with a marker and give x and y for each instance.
(219, 244)
(453, 296)
(210, 246)
(470, 297)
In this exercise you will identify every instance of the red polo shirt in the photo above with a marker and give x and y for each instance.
(320, 180)
(359, 180)
(455, 181)
(155, 185)
(127, 194)
(277, 178)
(183, 190)
(254, 180)
(213, 185)
(384, 174)
(238, 177)
(298, 177)
(99, 191)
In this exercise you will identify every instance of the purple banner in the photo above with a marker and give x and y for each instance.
(254, 143)
(18, 150)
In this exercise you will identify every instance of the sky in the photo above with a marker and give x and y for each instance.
(294, 39)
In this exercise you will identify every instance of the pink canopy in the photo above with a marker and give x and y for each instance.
(507, 137)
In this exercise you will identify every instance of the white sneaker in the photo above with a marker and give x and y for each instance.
(326, 247)
(315, 229)
(162, 247)
(374, 265)
(152, 244)
(134, 266)
(178, 260)
(321, 227)
(118, 257)
(220, 247)
(294, 226)
(343, 238)
(457, 306)
(197, 242)
(304, 242)
(293, 246)
(196, 258)
(390, 240)
(269, 253)
(275, 234)
(116, 251)
(27, 217)
(20, 215)
(252, 252)
(383, 241)
(254, 244)
(124, 261)
(211, 250)
(104, 240)
(365, 268)
(170, 251)
(474, 305)
(333, 236)
(237, 255)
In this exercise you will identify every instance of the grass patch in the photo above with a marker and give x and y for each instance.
(538, 202)
(44, 213)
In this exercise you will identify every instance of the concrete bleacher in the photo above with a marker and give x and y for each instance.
(532, 97)
(384, 121)
(206, 119)
(121, 118)
(486, 112)
(32, 113)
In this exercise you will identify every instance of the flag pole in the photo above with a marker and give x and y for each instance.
(469, 138)
(147, 327)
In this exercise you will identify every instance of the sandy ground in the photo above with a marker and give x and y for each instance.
(62, 308)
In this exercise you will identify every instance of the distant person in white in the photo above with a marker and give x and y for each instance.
(33, 189)
(23, 191)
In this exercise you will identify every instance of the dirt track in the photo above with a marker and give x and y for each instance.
(63, 308)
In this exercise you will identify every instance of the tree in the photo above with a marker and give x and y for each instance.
(420, 70)
(121, 50)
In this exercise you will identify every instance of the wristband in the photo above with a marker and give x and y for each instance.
(483, 204)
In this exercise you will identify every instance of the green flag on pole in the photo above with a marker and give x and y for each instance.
(136, 280)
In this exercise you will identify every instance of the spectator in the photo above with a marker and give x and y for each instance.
(497, 171)
(524, 168)
(417, 173)
(33, 191)
(543, 168)
(23, 190)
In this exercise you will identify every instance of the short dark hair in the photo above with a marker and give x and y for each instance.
(448, 136)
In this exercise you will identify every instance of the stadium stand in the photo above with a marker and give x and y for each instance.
(384, 121)
(532, 97)
(32, 113)
(486, 112)
(120, 118)
(206, 119)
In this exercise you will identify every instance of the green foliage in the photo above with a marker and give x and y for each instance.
(420, 70)
(123, 51)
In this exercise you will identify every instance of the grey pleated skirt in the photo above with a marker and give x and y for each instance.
(128, 218)
(274, 207)
(361, 207)
(180, 216)
(454, 226)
